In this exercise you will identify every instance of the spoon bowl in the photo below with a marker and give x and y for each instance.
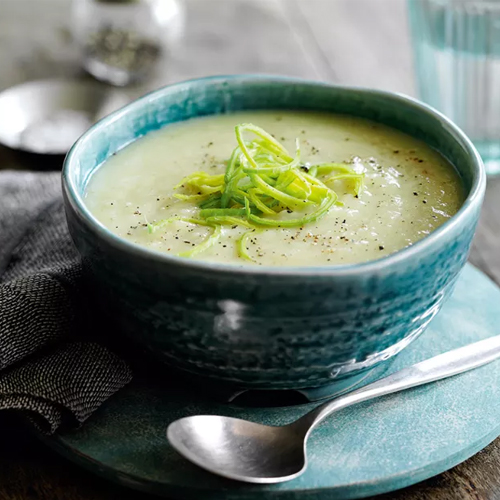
(256, 453)
(236, 448)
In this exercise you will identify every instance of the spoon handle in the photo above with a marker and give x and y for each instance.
(442, 366)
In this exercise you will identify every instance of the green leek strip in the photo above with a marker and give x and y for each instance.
(191, 220)
(231, 166)
(277, 156)
(276, 169)
(215, 212)
(202, 191)
(313, 180)
(269, 141)
(300, 187)
(241, 245)
(238, 200)
(191, 197)
(268, 179)
(210, 241)
(322, 210)
(210, 189)
(318, 193)
(339, 177)
(296, 161)
(357, 178)
(326, 168)
(266, 158)
(298, 190)
(227, 220)
(284, 180)
(268, 170)
(279, 152)
(211, 202)
(313, 171)
(262, 133)
(199, 178)
(253, 194)
(208, 180)
(230, 186)
(286, 199)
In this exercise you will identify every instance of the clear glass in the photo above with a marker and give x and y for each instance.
(123, 40)
(457, 60)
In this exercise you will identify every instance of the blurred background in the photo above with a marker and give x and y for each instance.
(134, 46)
(319, 39)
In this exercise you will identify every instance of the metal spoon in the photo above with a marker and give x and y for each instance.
(256, 453)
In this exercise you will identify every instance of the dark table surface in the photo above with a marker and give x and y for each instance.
(359, 42)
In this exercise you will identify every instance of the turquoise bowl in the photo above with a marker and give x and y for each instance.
(316, 330)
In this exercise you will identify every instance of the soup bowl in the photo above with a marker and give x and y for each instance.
(318, 330)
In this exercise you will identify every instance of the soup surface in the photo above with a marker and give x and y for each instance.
(407, 190)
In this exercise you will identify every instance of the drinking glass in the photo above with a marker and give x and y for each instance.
(457, 60)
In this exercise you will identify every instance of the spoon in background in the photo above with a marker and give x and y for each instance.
(255, 453)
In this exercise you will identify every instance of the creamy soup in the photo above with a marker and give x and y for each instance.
(389, 191)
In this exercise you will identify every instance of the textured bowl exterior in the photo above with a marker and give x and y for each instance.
(271, 328)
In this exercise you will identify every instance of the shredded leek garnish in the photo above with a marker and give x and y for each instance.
(211, 240)
(242, 245)
(261, 184)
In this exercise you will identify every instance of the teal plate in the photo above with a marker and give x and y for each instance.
(365, 450)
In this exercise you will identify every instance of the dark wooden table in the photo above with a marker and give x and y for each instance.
(359, 42)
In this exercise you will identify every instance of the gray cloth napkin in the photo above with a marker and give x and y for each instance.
(50, 368)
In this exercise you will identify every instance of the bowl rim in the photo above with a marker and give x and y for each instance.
(75, 198)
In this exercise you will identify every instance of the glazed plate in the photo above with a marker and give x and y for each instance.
(375, 447)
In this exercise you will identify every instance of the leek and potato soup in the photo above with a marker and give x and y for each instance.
(275, 188)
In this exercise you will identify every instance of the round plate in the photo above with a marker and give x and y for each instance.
(48, 116)
(371, 448)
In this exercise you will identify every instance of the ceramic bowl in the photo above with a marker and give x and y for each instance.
(319, 330)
